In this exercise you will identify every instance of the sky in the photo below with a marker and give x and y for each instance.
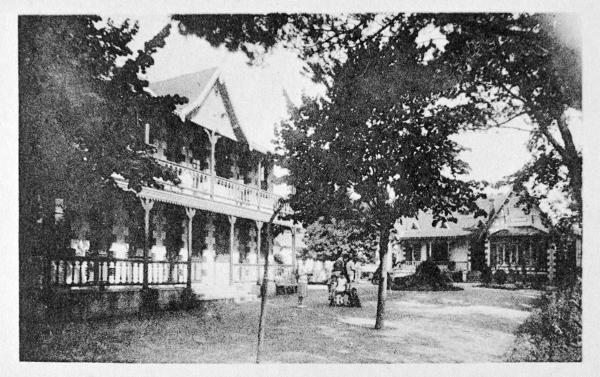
(257, 95)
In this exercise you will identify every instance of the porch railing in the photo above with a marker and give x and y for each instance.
(197, 182)
(88, 271)
(411, 263)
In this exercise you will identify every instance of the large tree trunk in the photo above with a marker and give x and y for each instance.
(575, 175)
(570, 156)
(381, 292)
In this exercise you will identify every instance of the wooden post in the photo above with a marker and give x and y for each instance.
(190, 212)
(232, 220)
(259, 225)
(551, 263)
(259, 175)
(147, 204)
(213, 138)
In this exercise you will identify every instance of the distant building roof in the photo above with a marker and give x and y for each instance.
(422, 226)
(518, 231)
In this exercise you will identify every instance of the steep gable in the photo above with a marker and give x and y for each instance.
(208, 103)
(516, 218)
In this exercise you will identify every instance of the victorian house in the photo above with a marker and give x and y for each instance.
(208, 232)
(511, 236)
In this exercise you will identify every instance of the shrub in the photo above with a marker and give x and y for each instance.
(553, 331)
(486, 275)
(428, 270)
(539, 281)
(427, 277)
(457, 276)
(474, 276)
(500, 277)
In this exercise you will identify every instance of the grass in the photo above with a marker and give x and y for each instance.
(473, 325)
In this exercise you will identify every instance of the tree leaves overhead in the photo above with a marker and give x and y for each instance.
(82, 113)
(498, 66)
(380, 135)
(527, 64)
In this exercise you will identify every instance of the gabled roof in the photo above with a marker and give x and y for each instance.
(466, 224)
(513, 198)
(193, 86)
(208, 103)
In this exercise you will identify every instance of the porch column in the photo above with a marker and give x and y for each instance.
(551, 262)
(259, 176)
(190, 212)
(468, 245)
(212, 137)
(147, 204)
(208, 254)
(232, 220)
(487, 253)
(259, 225)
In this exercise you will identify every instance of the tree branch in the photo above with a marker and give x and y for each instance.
(503, 123)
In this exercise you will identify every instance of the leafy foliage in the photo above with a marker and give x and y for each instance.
(82, 112)
(554, 331)
(486, 275)
(519, 65)
(500, 277)
(501, 66)
(427, 277)
(330, 240)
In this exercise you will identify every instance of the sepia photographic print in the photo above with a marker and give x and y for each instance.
(341, 187)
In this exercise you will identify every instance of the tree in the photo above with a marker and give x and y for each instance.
(519, 65)
(82, 112)
(378, 148)
(265, 281)
(330, 240)
(505, 66)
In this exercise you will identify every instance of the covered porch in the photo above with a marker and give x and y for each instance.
(519, 249)
(449, 253)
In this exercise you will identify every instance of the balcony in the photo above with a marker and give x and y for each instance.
(197, 184)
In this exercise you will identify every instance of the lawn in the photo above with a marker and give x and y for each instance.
(472, 325)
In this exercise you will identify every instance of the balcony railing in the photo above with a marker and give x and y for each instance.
(195, 182)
